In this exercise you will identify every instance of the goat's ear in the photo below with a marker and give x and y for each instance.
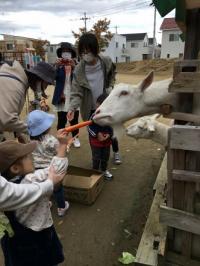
(156, 116)
(147, 81)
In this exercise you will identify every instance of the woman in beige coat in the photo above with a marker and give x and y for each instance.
(14, 83)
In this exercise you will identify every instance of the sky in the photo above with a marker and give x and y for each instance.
(54, 20)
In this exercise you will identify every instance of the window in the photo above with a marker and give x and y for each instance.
(116, 59)
(168, 55)
(173, 37)
(123, 45)
(180, 55)
(51, 49)
(117, 44)
(134, 45)
(145, 44)
(10, 46)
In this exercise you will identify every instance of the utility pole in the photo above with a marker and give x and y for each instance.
(154, 33)
(85, 18)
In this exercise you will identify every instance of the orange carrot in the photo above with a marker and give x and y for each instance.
(79, 125)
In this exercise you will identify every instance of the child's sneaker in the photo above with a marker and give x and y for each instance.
(107, 175)
(116, 158)
(62, 211)
(77, 143)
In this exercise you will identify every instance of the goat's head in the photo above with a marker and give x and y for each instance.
(143, 128)
(124, 102)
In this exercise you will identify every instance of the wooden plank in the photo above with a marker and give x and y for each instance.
(187, 117)
(187, 62)
(161, 179)
(186, 176)
(170, 194)
(190, 164)
(191, 4)
(162, 248)
(178, 195)
(180, 219)
(170, 162)
(184, 138)
(192, 32)
(177, 259)
(146, 254)
(185, 82)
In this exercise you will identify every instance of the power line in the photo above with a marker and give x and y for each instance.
(120, 11)
(120, 7)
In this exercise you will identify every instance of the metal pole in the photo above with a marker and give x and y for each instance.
(85, 19)
(154, 33)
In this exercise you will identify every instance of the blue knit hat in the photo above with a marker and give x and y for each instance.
(38, 122)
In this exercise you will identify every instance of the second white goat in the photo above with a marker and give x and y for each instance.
(147, 127)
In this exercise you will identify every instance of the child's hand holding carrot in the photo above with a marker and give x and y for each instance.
(63, 139)
(63, 136)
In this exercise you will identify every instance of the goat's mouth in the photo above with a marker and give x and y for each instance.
(130, 134)
(102, 119)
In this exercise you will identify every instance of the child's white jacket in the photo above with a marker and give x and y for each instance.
(38, 215)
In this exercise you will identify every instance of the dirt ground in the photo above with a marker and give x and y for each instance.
(96, 235)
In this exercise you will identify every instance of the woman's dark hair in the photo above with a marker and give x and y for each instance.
(102, 98)
(88, 41)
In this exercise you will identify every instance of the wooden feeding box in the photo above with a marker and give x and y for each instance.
(186, 76)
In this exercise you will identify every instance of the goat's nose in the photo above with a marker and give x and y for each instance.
(97, 111)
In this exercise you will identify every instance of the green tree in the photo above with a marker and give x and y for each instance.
(101, 30)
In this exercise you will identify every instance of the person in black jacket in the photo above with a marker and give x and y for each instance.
(100, 138)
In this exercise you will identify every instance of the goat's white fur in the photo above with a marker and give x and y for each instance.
(128, 101)
(147, 127)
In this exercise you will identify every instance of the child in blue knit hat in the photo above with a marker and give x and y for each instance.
(39, 125)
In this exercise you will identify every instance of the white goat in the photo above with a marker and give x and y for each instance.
(147, 127)
(128, 101)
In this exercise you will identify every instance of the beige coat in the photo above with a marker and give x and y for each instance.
(12, 97)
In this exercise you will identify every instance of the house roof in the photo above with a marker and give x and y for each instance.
(134, 36)
(168, 24)
(21, 37)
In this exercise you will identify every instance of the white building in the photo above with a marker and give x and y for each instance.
(117, 49)
(51, 53)
(137, 47)
(172, 45)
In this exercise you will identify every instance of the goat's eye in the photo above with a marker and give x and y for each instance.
(123, 93)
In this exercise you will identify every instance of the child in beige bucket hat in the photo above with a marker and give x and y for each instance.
(35, 241)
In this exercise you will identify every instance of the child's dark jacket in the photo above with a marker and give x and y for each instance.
(94, 129)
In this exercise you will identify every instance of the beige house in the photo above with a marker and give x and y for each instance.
(18, 48)
(12, 43)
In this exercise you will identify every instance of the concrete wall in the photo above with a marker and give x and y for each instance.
(171, 49)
